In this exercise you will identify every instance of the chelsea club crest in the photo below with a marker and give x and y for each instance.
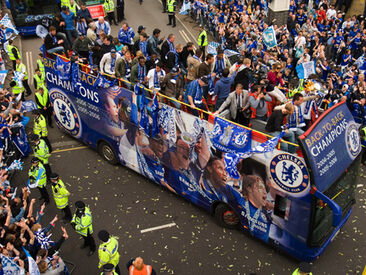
(66, 115)
(353, 141)
(289, 173)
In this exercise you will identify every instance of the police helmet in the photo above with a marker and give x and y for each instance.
(108, 268)
(34, 137)
(36, 112)
(79, 205)
(54, 176)
(35, 160)
(103, 235)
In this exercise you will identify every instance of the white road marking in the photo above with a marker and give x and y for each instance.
(31, 72)
(181, 33)
(158, 227)
(186, 36)
(28, 62)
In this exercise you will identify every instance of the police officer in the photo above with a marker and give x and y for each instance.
(108, 250)
(82, 223)
(40, 65)
(38, 178)
(108, 269)
(44, 103)
(13, 53)
(20, 67)
(171, 12)
(304, 269)
(40, 127)
(42, 152)
(16, 90)
(61, 196)
(38, 79)
(202, 41)
(109, 9)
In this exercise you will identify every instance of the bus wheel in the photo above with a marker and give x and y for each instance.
(107, 152)
(226, 216)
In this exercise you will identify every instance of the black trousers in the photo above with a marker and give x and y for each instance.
(203, 49)
(14, 65)
(44, 194)
(48, 143)
(111, 18)
(241, 119)
(120, 13)
(89, 241)
(48, 115)
(171, 19)
(116, 268)
(67, 213)
(48, 170)
(26, 87)
(164, 5)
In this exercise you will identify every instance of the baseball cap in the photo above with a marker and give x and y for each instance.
(140, 28)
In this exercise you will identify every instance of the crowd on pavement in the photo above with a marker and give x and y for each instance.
(255, 85)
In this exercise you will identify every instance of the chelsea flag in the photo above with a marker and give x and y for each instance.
(269, 37)
(304, 70)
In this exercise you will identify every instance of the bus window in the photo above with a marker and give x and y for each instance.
(343, 193)
(281, 207)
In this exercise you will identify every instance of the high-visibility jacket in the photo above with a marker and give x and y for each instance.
(22, 69)
(200, 37)
(42, 151)
(109, 6)
(72, 8)
(40, 126)
(10, 52)
(83, 224)
(42, 99)
(170, 5)
(145, 271)
(60, 194)
(17, 90)
(296, 272)
(41, 67)
(108, 252)
(37, 174)
(65, 3)
(39, 80)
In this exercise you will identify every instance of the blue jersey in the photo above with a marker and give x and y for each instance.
(301, 19)
(344, 61)
(125, 37)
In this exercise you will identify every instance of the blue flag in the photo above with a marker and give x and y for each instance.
(304, 70)
(10, 267)
(231, 160)
(75, 77)
(155, 115)
(212, 47)
(230, 138)
(63, 68)
(269, 37)
(144, 116)
(32, 265)
(185, 8)
(103, 82)
(21, 142)
(28, 106)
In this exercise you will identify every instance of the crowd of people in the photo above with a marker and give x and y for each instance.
(255, 86)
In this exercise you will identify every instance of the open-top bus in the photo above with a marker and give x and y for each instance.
(296, 202)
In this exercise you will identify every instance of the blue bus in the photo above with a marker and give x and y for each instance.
(295, 202)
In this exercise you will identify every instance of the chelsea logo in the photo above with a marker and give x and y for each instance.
(216, 130)
(353, 141)
(66, 114)
(240, 139)
(289, 173)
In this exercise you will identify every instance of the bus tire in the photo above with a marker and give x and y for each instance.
(107, 152)
(226, 216)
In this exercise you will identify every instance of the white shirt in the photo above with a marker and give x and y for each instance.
(105, 63)
(105, 27)
(150, 77)
(331, 13)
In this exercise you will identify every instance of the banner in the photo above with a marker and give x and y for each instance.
(32, 265)
(230, 138)
(103, 82)
(10, 267)
(5, 21)
(304, 70)
(3, 75)
(18, 77)
(28, 106)
(63, 68)
(269, 37)
(185, 8)
(212, 47)
(331, 145)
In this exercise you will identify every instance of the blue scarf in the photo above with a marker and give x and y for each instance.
(199, 93)
(105, 27)
(220, 66)
(196, 57)
(141, 73)
(143, 48)
(296, 120)
(113, 63)
(173, 50)
(156, 79)
(82, 27)
(128, 70)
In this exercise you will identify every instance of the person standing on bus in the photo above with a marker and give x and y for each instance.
(138, 71)
(103, 25)
(20, 67)
(13, 53)
(83, 13)
(108, 63)
(109, 9)
(69, 18)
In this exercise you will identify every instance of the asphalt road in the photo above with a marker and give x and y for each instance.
(124, 203)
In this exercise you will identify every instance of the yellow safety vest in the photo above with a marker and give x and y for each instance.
(109, 6)
(17, 90)
(41, 67)
(108, 252)
(10, 52)
(42, 152)
(205, 42)
(20, 68)
(36, 171)
(84, 223)
(296, 272)
(60, 194)
(40, 127)
(65, 3)
(39, 80)
(42, 99)
(170, 5)
(72, 8)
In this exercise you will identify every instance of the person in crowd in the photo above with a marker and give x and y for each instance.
(155, 77)
(70, 23)
(137, 266)
(126, 35)
(83, 13)
(172, 86)
(109, 8)
(108, 63)
(82, 45)
(223, 87)
(258, 99)
(238, 104)
(103, 25)
(138, 71)
(193, 63)
(154, 41)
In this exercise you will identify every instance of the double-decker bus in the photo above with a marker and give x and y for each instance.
(295, 202)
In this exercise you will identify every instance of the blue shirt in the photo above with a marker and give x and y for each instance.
(69, 20)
